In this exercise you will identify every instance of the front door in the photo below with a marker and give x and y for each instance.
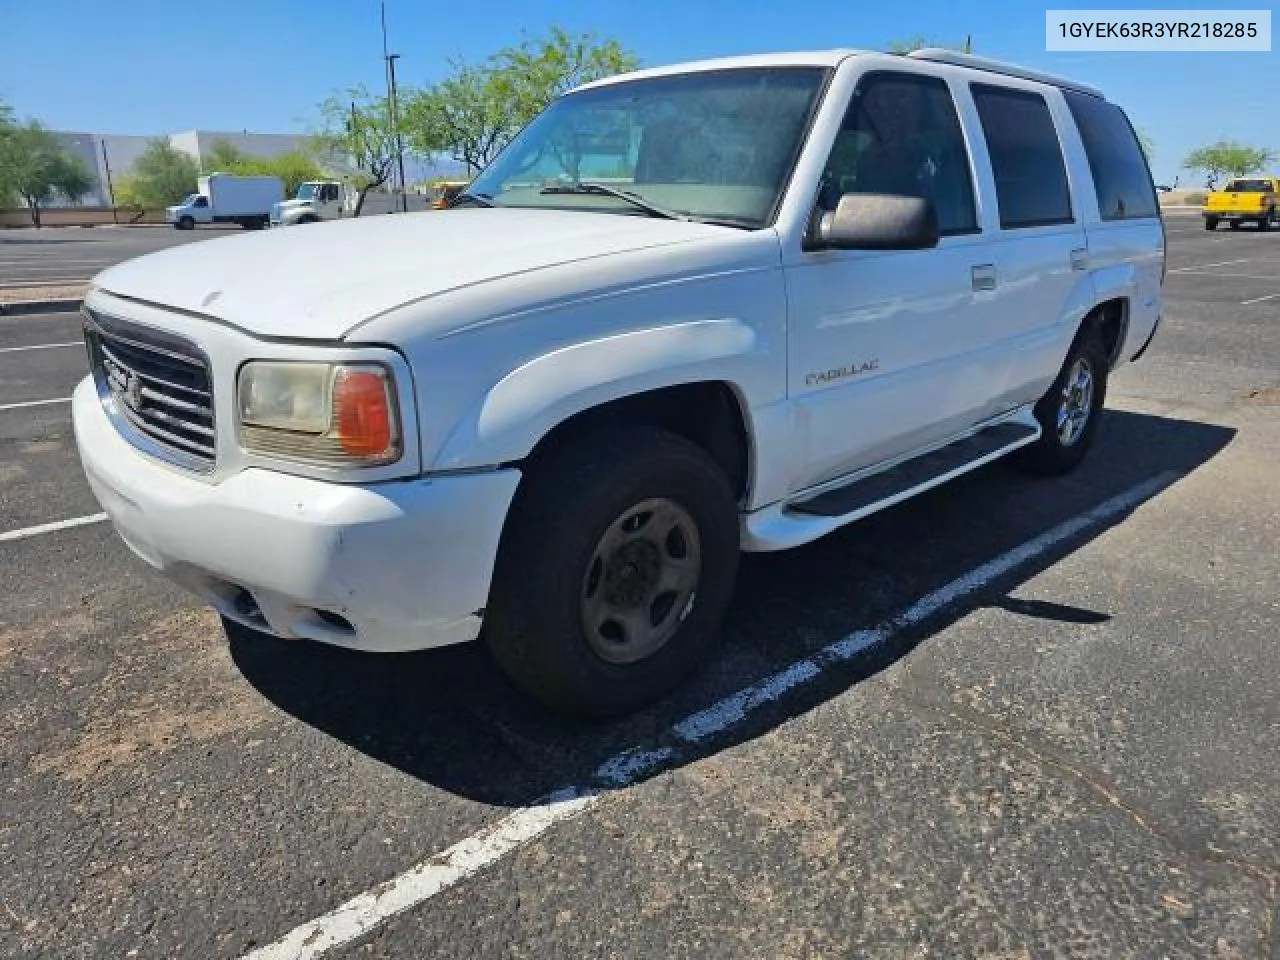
(885, 351)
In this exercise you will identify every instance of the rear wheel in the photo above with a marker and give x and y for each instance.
(1069, 412)
(616, 568)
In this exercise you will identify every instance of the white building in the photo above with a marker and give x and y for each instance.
(108, 157)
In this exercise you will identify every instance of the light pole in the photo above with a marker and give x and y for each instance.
(395, 129)
(391, 59)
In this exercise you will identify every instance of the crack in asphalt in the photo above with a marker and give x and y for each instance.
(975, 720)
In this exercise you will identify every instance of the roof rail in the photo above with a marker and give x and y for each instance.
(941, 55)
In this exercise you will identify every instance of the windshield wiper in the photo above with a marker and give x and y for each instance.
(601, 190)
(479, 199)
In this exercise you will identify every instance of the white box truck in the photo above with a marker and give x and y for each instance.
(227, 198)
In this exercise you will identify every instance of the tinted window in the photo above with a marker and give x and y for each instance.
(1120, 174)
(901, 136)
(1248, 186)
(1026, 158)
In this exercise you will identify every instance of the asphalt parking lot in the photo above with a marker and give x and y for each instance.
(65, 255)
(1012, 718)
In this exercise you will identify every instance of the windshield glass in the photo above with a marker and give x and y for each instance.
(1249, 186)
(307, 191)
(717, 145)
(190, 200)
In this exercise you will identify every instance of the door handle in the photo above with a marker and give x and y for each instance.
(1079, 258)
(984, 276)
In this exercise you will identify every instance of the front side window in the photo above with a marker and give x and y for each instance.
(901, 136)
(1026, 157)
(201, 202)
(1120, 175)
(716, 146)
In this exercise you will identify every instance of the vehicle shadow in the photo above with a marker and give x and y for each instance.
(448, 718)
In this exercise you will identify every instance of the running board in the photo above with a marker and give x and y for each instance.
(920, 473)
(800, 521)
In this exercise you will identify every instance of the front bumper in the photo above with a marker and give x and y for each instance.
(400, 565)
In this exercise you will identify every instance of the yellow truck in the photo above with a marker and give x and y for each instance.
(1244, 198)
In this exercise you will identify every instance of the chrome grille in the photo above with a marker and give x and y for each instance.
(157, 389)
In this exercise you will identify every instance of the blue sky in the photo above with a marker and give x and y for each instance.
(151, 66)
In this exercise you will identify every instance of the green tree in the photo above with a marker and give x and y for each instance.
(293, 168)
(161, 176)
(468, 116)
(473, 113)
(6, 128)
(225, 157)
(35, 167)
(1147, 145)
(1228, 158)
(356, 130)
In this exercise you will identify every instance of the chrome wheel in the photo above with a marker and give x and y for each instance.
(1077, 403)
(641, 581)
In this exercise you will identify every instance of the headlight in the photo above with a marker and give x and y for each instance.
(330, 414)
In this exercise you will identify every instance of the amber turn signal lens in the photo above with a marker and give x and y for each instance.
(362, 413)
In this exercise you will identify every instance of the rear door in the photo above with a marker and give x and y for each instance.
(1122, 218)
(1039, 260)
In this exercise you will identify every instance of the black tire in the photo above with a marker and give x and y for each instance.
(1211, 223)
(185, 223)
(570, 502)
(1265, 222)
(1235, 224)
(1053, 454)
(309, 218)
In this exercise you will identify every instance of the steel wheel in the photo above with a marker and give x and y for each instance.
(641, 581)
(1077, 403)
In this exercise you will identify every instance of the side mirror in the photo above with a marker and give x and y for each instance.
(877, 221)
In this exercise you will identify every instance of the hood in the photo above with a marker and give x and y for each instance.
(321, 280)
(293, 202)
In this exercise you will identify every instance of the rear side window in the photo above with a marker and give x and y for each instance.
(1120, 174)
(1026, 157)
(901, 135)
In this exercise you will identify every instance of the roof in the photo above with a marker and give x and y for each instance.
(812, 58)
(833, 58)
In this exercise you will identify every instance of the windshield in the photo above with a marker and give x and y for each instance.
(717, 145)
(307, 191)
(1249, 186)
(190, 200)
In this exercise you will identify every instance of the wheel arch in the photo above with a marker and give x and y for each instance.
(693, 379)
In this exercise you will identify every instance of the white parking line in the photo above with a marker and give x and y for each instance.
(1269, 296)
(1206, 266)
(363, 913)
(33, 403)
(42, 346)
(37, 530)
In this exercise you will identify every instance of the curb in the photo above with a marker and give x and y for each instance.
(32, 307)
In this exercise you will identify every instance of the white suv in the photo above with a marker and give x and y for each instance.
(689, 311)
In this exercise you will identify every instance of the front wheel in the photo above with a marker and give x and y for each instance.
(1211, 223)
(616, 568)
(185, 223)
(1069, 412)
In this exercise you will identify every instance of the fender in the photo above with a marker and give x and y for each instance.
(532, 399)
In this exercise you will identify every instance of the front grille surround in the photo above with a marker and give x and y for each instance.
(157, 389)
